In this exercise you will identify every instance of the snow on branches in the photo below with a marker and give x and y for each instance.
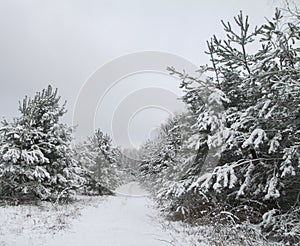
(36, 158)
(246, 112)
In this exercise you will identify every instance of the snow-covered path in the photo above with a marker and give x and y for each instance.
(126, 219)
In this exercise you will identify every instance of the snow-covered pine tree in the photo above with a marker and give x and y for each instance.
(160, 155)
(130, 160)
(99, 156)
(264, 121)
(248, 108)
(262, 150)
(36, 158)
(168, 159)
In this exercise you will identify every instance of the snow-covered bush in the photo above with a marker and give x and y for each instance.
(282, 226)
(36, 158)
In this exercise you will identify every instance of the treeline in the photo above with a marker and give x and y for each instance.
(38, 161)
(234, 156)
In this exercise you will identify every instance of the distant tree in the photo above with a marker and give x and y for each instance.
(129, 159)
(169, 156)
(99, 156)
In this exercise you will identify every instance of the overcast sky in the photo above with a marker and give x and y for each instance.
(63, 42)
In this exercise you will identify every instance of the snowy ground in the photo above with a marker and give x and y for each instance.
(128, 218)
(125, 219)
(35, 224)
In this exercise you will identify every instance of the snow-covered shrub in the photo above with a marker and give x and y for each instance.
(282, 226)
(36, 158)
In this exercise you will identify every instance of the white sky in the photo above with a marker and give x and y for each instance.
(62, 42)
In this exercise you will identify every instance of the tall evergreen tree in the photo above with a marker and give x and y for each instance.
(246, 112)
(35, 151)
